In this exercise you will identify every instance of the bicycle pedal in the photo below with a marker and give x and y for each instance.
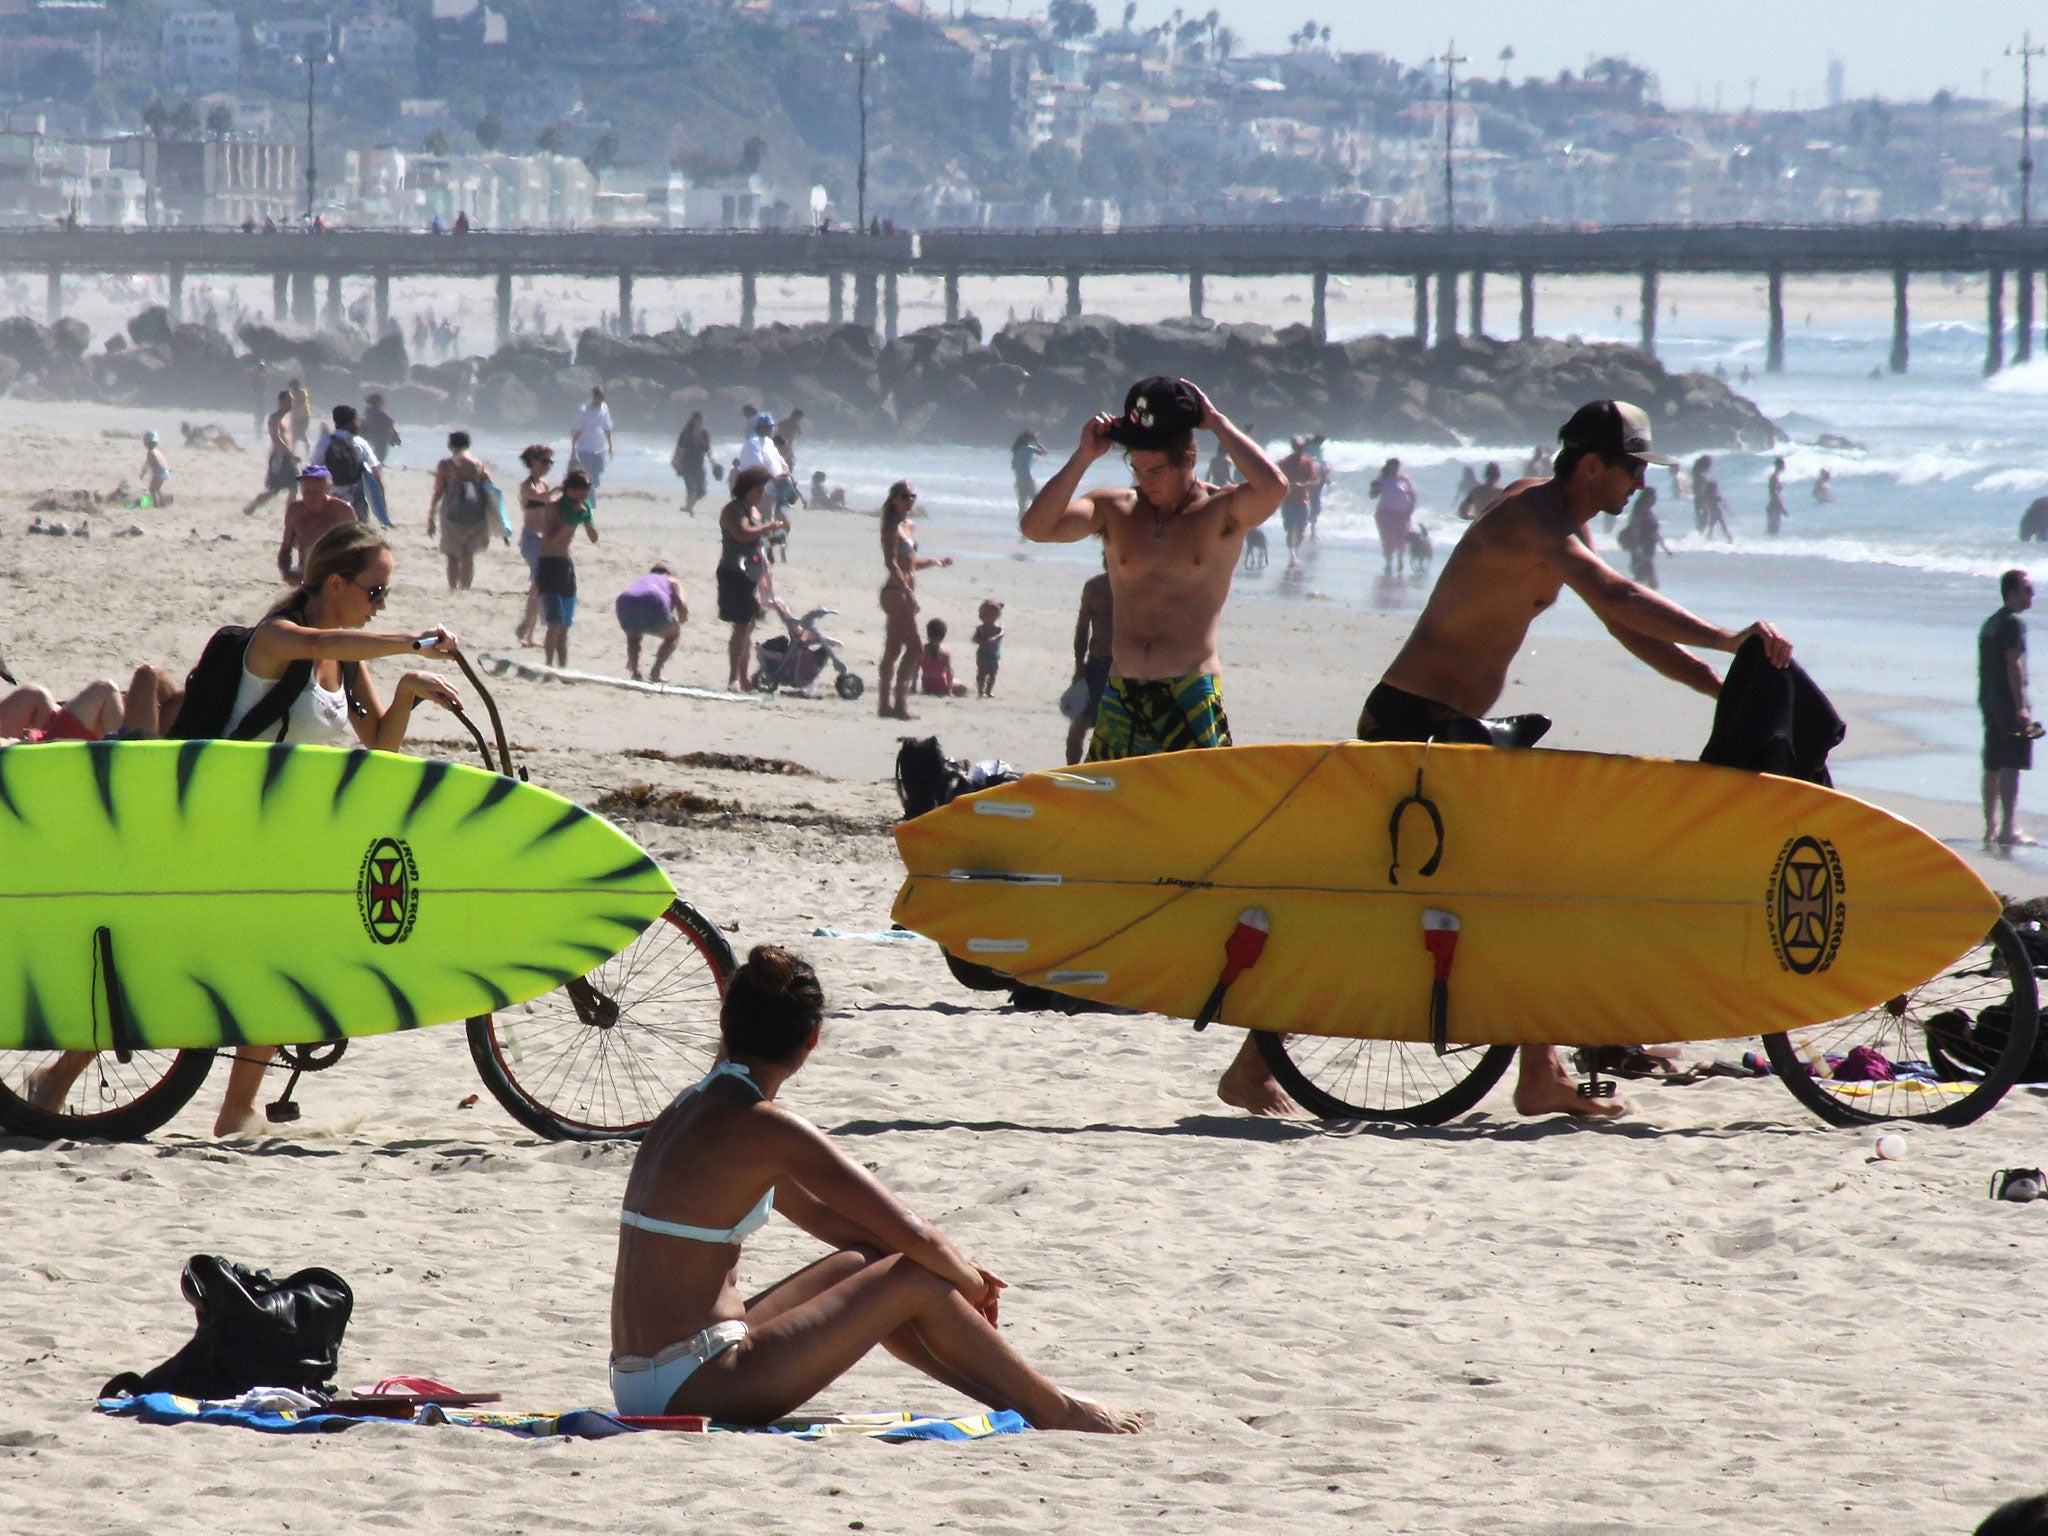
(283, 1112)
(1597, 1088)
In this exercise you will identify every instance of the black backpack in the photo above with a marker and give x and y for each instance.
(463, 502)
(211, 688)
(254, 1331)
(342, 459)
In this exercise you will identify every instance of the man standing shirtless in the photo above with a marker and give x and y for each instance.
(1093, 628)
(1172, 544)
(310, 517)
(1506, 570)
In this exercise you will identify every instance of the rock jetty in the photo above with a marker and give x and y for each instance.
(944, 383)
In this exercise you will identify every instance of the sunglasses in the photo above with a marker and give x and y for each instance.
(375, 594)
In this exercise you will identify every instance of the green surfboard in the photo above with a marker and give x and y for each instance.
(180, 894)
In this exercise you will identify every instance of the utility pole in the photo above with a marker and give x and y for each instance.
(2026, 53)
(1451, 60)
(861, 183)
(312, 184)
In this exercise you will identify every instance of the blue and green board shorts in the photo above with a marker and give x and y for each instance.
(1140, 716)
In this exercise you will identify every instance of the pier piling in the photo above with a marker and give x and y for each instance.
(53, 296)
(1774, 341)
(504, 308)
(749, 295)
(382, 289)
(864, 300)
(1649, 311)
(889, 306)
(1073, 295)
(1422, 308)
(1994, 320)
(1475, 302)
(2023, 316)
(176, 285)
(1195, 296)
(280, 296)
(625, 301)
(1528, 304)
(1899, 342)
(952, 297)
(1446, 308)
(1319, 304)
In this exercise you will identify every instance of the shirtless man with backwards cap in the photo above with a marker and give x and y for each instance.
(1171, 543)
(1508, 568)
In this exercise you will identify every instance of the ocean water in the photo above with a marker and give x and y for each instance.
(1882, 590)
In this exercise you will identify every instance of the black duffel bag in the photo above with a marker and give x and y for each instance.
(254, 1331)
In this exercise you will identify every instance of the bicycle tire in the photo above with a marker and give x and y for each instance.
(111, 1100)
(647, 1030)
(1334, 1077)
(1990, 975)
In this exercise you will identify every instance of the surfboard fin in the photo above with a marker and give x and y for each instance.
(120, 1022)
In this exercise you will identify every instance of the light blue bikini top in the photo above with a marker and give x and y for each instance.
(748, 1224)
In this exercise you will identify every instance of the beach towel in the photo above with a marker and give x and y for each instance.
(277, 1418)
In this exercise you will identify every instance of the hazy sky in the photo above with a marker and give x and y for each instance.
(1895, 48)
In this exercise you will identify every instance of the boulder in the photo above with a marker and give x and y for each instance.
(503, 401)
(69, 338)
(151, 328)
(384, 358)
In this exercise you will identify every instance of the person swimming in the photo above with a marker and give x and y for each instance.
(683, 1339)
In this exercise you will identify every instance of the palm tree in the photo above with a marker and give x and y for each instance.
(1130, 13)
(490, 133)
(549, 140)
(220, 120)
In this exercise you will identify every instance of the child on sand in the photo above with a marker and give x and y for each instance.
(988, 648)
(155, 471)
(714, 1166)
(935, 665)
(555, 570)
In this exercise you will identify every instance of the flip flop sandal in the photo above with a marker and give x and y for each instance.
(2017, 1184)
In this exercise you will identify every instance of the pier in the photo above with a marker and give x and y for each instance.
(1449, 270)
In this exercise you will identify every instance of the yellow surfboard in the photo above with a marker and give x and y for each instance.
(1599, 900)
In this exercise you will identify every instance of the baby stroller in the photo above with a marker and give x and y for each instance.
(797, 659)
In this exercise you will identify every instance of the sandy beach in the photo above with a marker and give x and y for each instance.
(1716, 1315)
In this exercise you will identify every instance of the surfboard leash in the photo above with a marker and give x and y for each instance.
(1241, 952)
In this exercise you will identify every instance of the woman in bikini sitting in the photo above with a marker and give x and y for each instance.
(713, 1165)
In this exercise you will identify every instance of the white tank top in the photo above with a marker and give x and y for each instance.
(318, 716)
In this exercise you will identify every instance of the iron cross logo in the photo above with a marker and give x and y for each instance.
(1807, 912)
(388, 891)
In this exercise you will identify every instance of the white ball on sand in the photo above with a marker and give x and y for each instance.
(1891, 1146)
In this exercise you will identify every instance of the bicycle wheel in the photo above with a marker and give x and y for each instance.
(110, 1099)
(599, 1058)
(1340, 1078)
(1974, 1024)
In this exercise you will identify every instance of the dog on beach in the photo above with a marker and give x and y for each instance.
(1255, 550)
(1420, 551)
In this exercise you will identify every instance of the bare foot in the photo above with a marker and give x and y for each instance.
(1091, 1418)
(43, 1091)
(248, 1122)
(2017, 839)
(1557, 1094)
(1247, 1085)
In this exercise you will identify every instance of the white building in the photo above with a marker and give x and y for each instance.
(202, 48)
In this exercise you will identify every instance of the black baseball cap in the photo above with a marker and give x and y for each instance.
(1614, 429)
(1158, 412)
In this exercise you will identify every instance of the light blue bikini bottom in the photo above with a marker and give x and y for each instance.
(642, 1386)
